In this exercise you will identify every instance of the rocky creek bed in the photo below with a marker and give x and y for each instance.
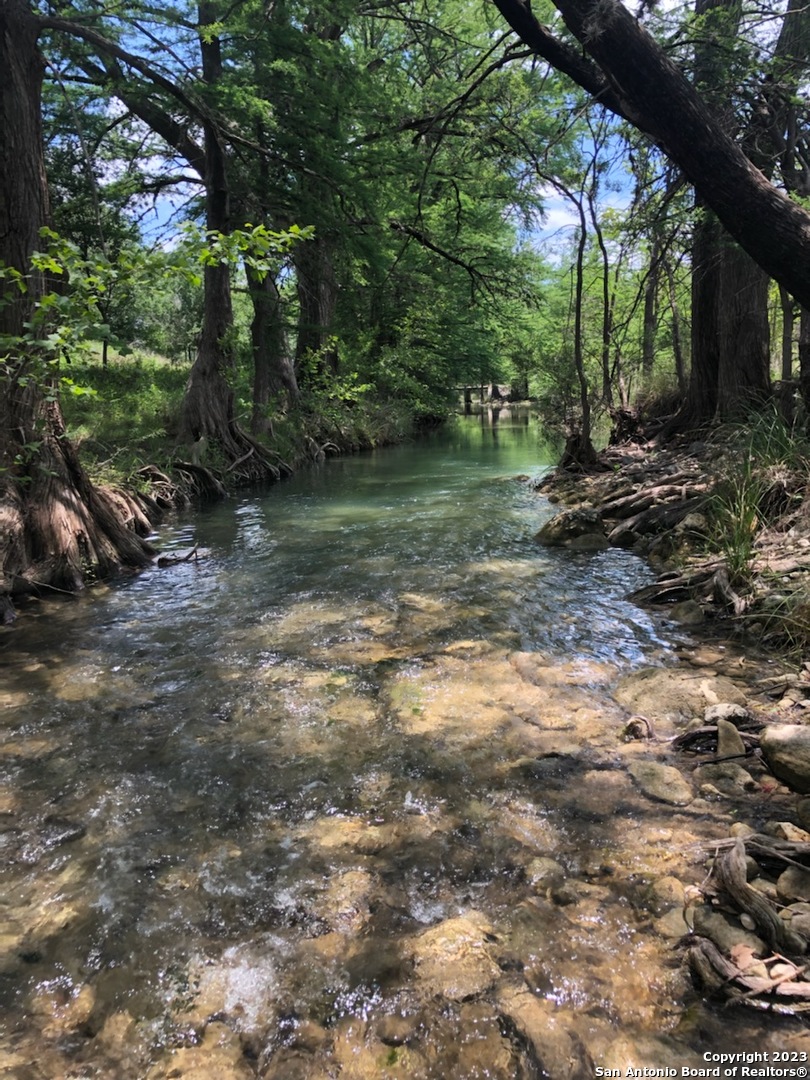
(748, 923)
(362, 840)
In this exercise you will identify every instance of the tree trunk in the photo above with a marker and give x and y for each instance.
(57, 530)
(650, 316)
(786, 400)
(607, 306)
(804, 361)
(273, 373)
(579, 451)
(701, 399)
(317, 300)
(677, 340)
(744, 373)
(633, 76)
(208, 407)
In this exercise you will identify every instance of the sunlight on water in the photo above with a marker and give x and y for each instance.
(295, 806)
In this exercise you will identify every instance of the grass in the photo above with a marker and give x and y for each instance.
(762, 474)
(132, 416)
(131, 419)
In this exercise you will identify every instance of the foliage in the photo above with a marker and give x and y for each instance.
(763, 469)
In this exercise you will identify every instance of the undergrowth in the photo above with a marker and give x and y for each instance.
(133, 418)
(760, 477)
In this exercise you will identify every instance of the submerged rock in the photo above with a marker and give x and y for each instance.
(571, 525)
(558, 1052)
(674, 695)
(673, 924)
(666, 893)
(661, 782)
(544, 873)
(453, 958)
(727, 777)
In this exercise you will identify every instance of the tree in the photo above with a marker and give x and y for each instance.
(56, 529)
(629, 73)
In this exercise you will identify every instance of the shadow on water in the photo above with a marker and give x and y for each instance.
(343, 798)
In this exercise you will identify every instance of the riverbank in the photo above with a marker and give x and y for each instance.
(725, 732)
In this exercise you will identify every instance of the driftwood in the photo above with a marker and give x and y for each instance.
(173, 560)
(725, 595)
(669, 588)
(730, 875)
(703, 740)
(787, 993)
(772, 849)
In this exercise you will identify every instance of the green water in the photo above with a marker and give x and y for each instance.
(278, 812)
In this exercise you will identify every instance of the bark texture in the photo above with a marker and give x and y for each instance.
(57, 531)
(208, 410)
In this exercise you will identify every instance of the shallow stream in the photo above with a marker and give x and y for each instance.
(343, 798)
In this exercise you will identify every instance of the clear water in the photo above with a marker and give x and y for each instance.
(278, 812)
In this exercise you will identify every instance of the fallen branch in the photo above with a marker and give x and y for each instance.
(173, 560)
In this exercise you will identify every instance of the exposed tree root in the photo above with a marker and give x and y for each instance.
(788, 993)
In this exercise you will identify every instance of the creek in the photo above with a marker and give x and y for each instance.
(343, 797)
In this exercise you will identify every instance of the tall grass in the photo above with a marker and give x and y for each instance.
(762, 473)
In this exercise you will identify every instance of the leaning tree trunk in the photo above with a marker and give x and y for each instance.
(633, 76)
(56, 530)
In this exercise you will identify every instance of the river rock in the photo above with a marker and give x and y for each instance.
(687, 613)
(588, 542)
(673, 924)
(729, 742)
(661, 782)
(544, 873)
(786, 830)
(766, 887)
(559, 1051)
(568, 525)
(725, 932)
(786, 748)
(650, 1052)
(793, 884)
(56, 831)
(219, 1054)
(739, 828)
(729, 711)
(803, 812)
(666, 893)
(727, 777)
(397, 1029)
(674, 695)
(453, 958)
